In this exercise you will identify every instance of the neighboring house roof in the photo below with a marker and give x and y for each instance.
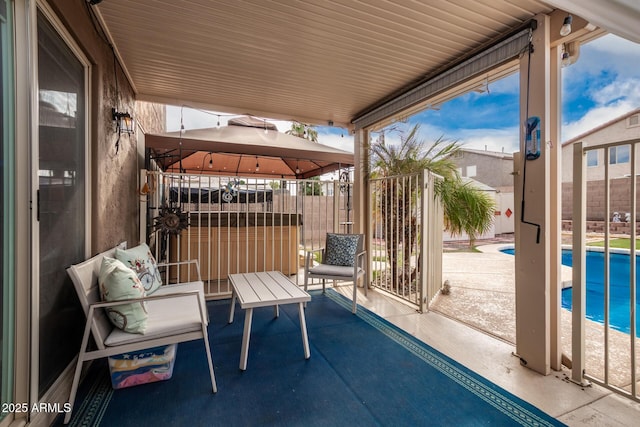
(498, 154)
(602, 126)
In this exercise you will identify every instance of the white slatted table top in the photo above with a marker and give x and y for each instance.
(266, 288)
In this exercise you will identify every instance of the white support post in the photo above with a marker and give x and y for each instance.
(578, 264)
(360, 180)
(555, 225)
(533, 215)
(361, 192)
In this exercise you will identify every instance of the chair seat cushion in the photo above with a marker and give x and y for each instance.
(333, 270)
(166, 317)
(185, 287)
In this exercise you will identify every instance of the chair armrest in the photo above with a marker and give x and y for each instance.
(361, 259)
(189, 261)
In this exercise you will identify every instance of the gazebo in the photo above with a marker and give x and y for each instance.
(246, 147)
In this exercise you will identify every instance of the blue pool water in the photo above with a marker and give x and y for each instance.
(618, 288)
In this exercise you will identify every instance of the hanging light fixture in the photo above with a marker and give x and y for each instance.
(124, 122)
(565, 30)
(218, 125)
(297, 167)
(210, 155)
(258, 164)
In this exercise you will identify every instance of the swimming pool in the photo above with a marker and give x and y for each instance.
(618, 288)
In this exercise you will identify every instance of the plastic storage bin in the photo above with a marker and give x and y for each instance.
(142, 367)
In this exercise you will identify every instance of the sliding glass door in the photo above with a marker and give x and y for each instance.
(6, 211)
(62, 180)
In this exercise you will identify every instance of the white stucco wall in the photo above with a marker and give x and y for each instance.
(620, 130)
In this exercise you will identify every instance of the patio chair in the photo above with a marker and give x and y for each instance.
(343, 258)
(176, 313)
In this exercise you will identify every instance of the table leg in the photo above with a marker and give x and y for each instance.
(244, 351)
(232, 309)
(303, 328)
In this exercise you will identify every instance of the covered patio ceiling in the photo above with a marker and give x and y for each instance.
(323, 62)
(316, 61)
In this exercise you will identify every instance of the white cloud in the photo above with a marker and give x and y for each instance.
(509, 85)
(506, 139)
(615, 45)
(594, 118)
(625, 89)
(199, 119)
(608, 59)
(191, 119)
(344, 142)
(608, 54)
(492, 139)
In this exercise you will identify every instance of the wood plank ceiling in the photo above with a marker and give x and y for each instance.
(309, 60)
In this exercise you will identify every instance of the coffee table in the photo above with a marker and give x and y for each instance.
(264, 289)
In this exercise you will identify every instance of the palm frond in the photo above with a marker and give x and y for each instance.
(466, 209)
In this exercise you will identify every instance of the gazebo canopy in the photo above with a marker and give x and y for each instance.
(244, 150)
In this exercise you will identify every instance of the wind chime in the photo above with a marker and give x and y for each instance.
(171, 220)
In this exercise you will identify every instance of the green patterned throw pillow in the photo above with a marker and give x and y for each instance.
(117, 282)
(341, 249)
(141, 260)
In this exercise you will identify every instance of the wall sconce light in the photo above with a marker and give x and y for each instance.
(124, 122)
(570, 53)
(565, 30)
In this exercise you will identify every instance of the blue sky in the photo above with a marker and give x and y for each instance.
(603, 84)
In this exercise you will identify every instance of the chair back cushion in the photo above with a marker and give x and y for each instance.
(341, 249)
(118, 282)
(141, 260)
(85, 279)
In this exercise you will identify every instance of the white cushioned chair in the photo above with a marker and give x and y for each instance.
(343, 258)
(176, 313)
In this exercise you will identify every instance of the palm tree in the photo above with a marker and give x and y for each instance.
(466, 209)
(302, 130)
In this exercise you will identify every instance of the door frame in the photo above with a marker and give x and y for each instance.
(54, 393)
